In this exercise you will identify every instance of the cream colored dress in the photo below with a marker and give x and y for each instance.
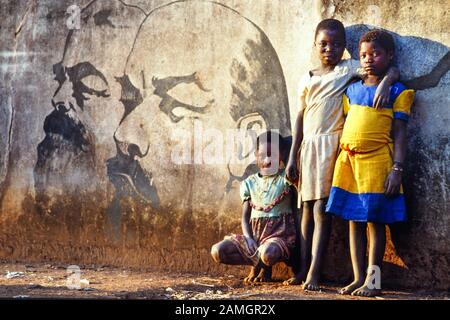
(320, 98)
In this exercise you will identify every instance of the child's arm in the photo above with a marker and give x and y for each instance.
(297, 138)
(394, 180)
(431, 79)
(297, 134)
(246, 229)
(382, 95)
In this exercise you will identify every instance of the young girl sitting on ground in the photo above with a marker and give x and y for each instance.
(367, 178)
(268, 215)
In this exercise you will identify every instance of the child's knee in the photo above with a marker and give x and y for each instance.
(216, 253)
(320, 205)
(270, 255)
(321, 217)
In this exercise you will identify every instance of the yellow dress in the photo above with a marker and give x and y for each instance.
(366, 158)
(320, 99)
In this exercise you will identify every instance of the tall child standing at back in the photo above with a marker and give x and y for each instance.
(316, 135)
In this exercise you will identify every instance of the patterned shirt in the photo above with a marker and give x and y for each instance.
(263, 191)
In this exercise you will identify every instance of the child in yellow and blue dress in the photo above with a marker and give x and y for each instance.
(315, 146)
(366, 188)
(268, 216)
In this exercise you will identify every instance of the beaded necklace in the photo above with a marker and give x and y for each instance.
(276, 201)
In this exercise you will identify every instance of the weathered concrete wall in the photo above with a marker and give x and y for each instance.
(101, 126)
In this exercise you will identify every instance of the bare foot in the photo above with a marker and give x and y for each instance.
(296, 280)
(265, 275)
(351, 287)
(254, 271)
(365, 291)
(311, 284)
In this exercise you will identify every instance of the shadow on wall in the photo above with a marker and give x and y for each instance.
(413, 56)
(423, 65)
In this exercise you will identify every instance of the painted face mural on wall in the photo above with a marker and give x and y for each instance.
(121, 115)
(70, 174)
(197, 79)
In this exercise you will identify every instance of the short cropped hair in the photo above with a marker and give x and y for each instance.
(331, 24)
(382, 38)
(266, 137)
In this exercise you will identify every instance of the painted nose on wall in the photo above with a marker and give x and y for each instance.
(64, 96)
(132, 135)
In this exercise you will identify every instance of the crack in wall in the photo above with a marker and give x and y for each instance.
(134, 6)
(22, 21)
(8, 161)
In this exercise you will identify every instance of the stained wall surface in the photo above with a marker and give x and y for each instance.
(120, 123)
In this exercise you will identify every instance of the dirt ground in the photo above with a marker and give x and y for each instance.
(28, 281)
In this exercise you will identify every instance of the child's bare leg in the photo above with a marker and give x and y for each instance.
(226, 252)
(377, 244)
(306, 235)
(322, 226)
(358, 245)
(253, 274)
(269, 255)
(265, 274)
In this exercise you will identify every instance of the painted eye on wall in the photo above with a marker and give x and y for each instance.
(175, 89)
(190, 94)
(77, 75)
(95, 83)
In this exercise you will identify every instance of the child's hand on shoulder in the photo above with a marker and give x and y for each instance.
(382, 95)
